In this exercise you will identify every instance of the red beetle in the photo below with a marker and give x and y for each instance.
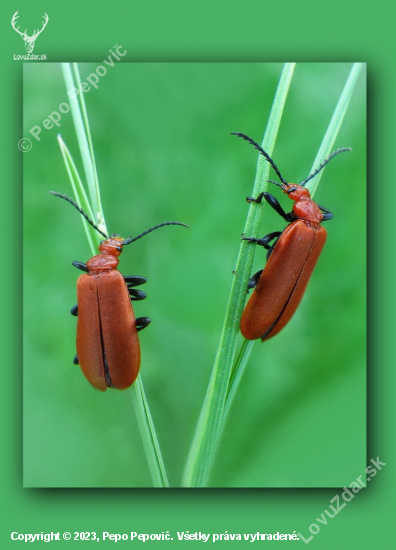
(291, 257)
(108, 349)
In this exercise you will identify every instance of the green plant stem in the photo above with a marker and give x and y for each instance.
(238, 368)
(149, 436)
(79, 194)
(334, 125)
(80, 118)
(209, 426)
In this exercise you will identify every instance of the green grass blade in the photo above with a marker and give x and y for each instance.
(80, 119)
(209, 426)
(95, 191)
(334, 125)
(238, 369)
(80, 194)
(149, 436)
(143, 415)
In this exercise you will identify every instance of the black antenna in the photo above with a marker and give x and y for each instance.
(130, 240)
(261, 150)
(333, 154)
(276, 183)
(68, 199)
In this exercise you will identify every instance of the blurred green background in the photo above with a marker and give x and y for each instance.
(163, 152)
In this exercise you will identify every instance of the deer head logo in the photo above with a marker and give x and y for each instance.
(29, 40)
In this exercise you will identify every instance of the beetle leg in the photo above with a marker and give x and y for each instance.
(74, 310)
(262, 242)
(274, 203)
(135, 280)
(271, 248)
(258, 200)
(265, 240)
(136, 294)
(268, 238)
(80, 265)
(142, 322)
(75, 360)
(254, 280)
(250, 239)
(327, 215)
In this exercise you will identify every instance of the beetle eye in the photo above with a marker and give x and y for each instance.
(291, 190)
(119, 248)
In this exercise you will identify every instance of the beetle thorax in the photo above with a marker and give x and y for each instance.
(102, 263)
(107, 260)
(306, 209)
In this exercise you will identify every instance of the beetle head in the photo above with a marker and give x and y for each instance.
(112, 246)
(293, 190)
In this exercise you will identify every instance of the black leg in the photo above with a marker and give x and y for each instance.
(258, 200)
(327, 215)
(271, 248)
(80, 265)
(74, 310)
(136, 294)
(142, 322)
(262, 242)
(75, 360)
(274, 203)
(254, 279)
(135, 280)
(265, 240)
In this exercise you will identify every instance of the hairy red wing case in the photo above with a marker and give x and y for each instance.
(279, 279)
(121, 343)
(89, 342)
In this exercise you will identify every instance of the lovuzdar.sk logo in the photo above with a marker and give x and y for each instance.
(29, 40)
